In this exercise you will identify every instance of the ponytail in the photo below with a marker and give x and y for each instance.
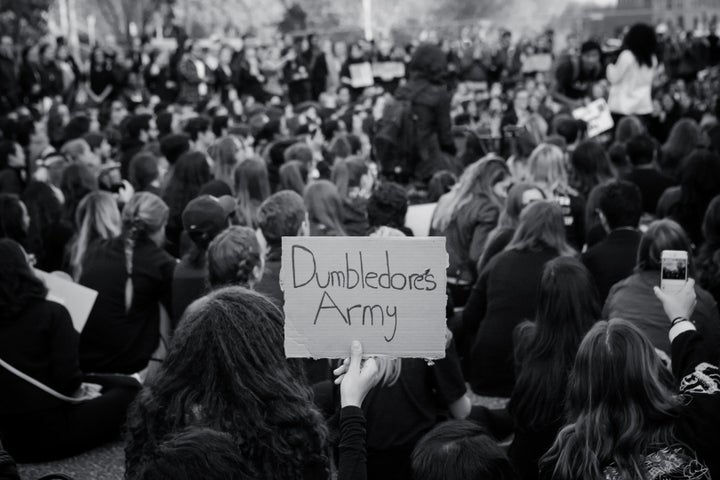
(129, 245)
(143, 215)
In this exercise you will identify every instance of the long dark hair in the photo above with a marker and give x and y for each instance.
(77, 181)
(19, 287)
(642, 42)
(11, 218)
(190, 174)
(226, 370)
(45, 212)
(699, 183)
(590, 166)
(708, 258)
(545, 349)
(620, 401)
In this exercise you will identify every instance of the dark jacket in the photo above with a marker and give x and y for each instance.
(613, 259)
(116, 341)
(466, 235)
(431, 105)
(633, 300)
(504, 296)
(40, 342)
(269, 284)
(652, 184)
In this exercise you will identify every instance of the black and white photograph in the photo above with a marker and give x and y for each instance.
(359, 239)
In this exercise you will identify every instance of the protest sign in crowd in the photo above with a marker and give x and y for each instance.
(311, 260)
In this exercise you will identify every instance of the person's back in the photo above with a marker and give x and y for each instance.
(399, 413)
(510, 284)
(116, 340)
(283, 214)
(431, 106)
(641, 151)
(613, 258)
(632, 300)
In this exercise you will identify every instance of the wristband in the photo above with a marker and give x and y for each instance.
(677, 320)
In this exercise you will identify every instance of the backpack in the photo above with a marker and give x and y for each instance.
(396, 139)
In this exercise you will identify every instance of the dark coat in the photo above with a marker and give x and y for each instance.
(431, 105)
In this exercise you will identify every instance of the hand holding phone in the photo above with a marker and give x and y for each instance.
(673, 270)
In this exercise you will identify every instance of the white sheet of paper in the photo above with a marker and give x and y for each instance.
(78, 300)
(419, 218)
(361, 75)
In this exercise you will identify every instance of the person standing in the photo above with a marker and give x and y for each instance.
(631, 77)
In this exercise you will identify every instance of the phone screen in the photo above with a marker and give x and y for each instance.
(673, 273)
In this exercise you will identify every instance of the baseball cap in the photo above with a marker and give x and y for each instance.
(206, 216)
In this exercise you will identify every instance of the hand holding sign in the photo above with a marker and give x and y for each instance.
(356, 377)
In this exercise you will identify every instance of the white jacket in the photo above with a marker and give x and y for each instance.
(630, 85)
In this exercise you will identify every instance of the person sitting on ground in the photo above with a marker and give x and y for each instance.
(37, 337)
(519, 196)
(133, 277)
(97, 219)
(283, 214)
(708, 256)
(619, 381)
(227, 357)
(544, 350)
(325, 209)
(505, 295)
(613, 258)
(632, 300)
(642, 152)
(203, 219)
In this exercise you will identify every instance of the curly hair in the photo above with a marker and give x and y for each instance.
(387, 206)
(19, 286)
(226, 370)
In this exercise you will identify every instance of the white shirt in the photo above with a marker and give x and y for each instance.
(630, 85)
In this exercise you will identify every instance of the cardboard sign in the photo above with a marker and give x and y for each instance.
(387, 71)
(597, 116)
(540, 62)
(78, 300)
(388, 293)
(361, 75)
(419, 218)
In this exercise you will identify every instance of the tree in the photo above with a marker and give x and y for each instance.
(24, 18)
(294, 19)
(118, 14)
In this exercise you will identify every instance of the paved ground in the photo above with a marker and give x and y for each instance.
(104, 463)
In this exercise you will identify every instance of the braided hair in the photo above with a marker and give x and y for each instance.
(233, 256)
(144, 215)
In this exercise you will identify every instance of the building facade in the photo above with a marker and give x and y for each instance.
(686, 14)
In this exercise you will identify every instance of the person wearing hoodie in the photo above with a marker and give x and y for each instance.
(428, 93)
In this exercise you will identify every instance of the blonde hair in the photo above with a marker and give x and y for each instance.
(547, 166)
(97, 217)
(478, 179)
(144, 215)
(224, 154)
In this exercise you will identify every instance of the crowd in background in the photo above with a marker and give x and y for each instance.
(165, 179)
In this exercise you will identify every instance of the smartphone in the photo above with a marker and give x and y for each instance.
(673, 270)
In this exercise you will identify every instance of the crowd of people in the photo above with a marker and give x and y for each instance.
(165, 180)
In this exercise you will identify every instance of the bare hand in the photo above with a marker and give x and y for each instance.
(679, 304)
(356, 377)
